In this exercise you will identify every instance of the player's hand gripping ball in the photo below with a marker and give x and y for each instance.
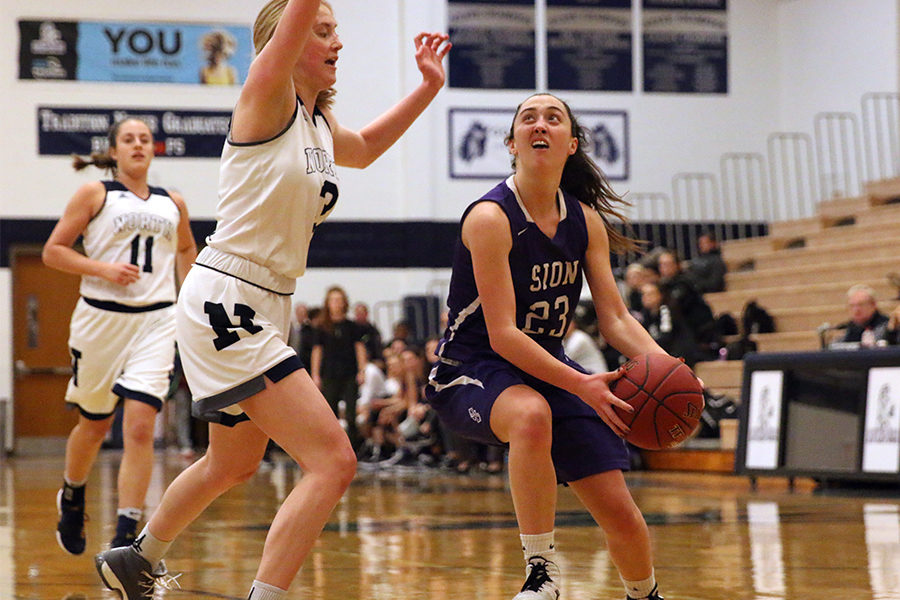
(667, 398)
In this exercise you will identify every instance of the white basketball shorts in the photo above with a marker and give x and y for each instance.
(119, 355)
(231, 335)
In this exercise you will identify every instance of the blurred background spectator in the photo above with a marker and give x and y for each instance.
(338, 360)
(707, 270)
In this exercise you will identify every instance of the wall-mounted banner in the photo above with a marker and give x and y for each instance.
(144, 52)
(764, 420)
(685, 46)
(493, 44)
(881, 442)
(589, 45)
(176, 133)
(477, 149)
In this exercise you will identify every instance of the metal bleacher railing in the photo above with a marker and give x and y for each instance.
(881, 134)
(839, 154)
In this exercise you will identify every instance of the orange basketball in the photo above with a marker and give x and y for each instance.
(667, 400)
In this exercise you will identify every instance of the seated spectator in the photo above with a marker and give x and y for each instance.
(406, 422)
(581, 347)
(402, 331)
(666, 325)
(377, 445)
(707, 270)
(372, 393)
(680, 292)
(636, 275)
(867, 326)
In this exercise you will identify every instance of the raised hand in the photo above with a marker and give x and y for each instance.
(431, 48)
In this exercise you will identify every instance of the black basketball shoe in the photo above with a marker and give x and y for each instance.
(70, 528)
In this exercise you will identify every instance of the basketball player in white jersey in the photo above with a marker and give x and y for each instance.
(122, 335)
(277, 183)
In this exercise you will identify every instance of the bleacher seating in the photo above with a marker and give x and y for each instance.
(800, 273)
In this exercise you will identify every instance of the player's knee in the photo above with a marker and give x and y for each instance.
(91, 431)
(343, 466)
(138, 433)
(231, 474)
(533, 422)
(626, 519)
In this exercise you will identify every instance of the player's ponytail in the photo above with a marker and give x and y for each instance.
(101, 160)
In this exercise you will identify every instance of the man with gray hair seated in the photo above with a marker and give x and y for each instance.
(868, 326)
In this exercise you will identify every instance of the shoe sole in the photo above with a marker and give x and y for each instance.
(58, 536)
(108, 577)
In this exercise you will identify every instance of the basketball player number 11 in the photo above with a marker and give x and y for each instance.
(148, 252)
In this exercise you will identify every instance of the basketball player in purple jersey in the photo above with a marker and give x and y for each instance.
(503, 377)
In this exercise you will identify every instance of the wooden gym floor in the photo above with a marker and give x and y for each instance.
(429, 535)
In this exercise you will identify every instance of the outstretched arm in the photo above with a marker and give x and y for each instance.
(361, 148)
(267, 99)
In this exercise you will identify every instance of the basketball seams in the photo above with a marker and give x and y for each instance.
(650, 428)
(678, 416)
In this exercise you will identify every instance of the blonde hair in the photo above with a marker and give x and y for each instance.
(264, 28)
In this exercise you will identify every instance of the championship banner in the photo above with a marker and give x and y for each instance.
(589, 45)
(493, 44)
(176, 133)
(478, 150)
(134, 52)
(685, 46)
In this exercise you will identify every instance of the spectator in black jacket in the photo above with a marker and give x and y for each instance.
(371, 337)
(707, 270)
(689, 302)
(666, 325)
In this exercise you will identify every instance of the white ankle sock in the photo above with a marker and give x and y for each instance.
(639, 589)
(264, 591)
(150, 547)
(131, 513)
(540, 544)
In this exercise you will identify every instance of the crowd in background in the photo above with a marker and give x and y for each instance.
(375, 384)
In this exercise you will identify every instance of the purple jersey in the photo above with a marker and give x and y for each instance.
(546, 275)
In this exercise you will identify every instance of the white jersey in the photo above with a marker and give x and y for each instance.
(143, 232)
(273, 194)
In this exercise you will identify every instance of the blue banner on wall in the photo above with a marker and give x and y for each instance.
(176, 133)
(685, 46)
(493, 44)
(589, 45)
(134, 52)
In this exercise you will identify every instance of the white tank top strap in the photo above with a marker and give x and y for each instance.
(245, 270)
